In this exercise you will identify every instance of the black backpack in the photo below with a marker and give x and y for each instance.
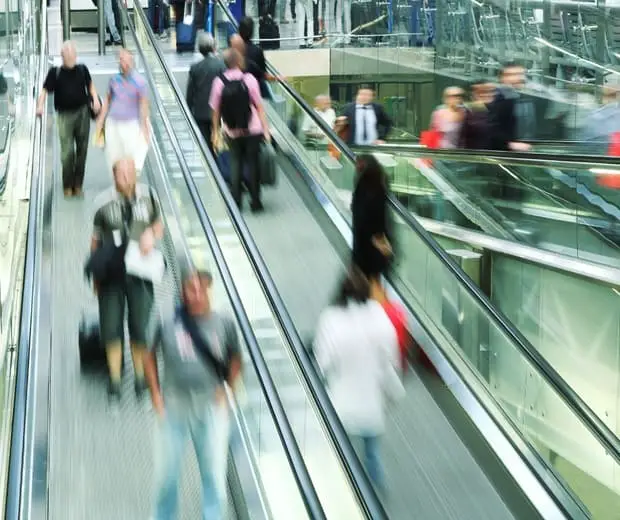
(235, 104)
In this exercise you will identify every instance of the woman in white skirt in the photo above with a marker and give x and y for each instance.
(126, 115)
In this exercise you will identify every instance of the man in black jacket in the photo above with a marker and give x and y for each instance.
(368, 122)
(199, 83)
(505, 111)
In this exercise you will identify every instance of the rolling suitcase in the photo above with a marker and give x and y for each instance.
(186, 29)
(92, 352)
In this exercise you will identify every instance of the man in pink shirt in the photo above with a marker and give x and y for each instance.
(238, 109)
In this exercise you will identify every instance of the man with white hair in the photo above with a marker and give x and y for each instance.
(74, 96)
(315, 137)
(199, 83)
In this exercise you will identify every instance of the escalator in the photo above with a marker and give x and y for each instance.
(71, 456)
(499, 408)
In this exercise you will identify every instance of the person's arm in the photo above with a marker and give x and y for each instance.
(234, 354)
(189, 94)
(104, 109)
(48, 86)
(155, 231)
(92, 90)
(144, 110)
(384, 123)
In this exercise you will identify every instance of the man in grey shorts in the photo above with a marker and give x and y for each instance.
(193, 401)
(126, 211)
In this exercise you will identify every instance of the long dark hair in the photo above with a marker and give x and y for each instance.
(370, 175)
(354, 287)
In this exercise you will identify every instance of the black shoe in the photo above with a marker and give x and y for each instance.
(257, 207)
(140, 387)
(114, 391)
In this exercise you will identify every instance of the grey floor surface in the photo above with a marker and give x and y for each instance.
(100, 461)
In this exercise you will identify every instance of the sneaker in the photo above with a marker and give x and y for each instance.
(165, 35)
(114, 391)
(140, 387)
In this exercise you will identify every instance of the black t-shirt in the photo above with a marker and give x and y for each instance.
(255, 61)
(70, 87)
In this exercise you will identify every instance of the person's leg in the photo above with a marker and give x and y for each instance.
(372, 457)
(67, 150)
(111, 314)
(81, 133)
(301, 22)
(140, 298)
(169, 447)
(114, 146)
(310, 20)
(338, 8)
(237, 153)
(252, 160)
(346, 6)
(111, 22)
(210, 438)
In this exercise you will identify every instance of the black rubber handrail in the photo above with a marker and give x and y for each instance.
(368, 498)
(541, 159)
(13, 508)
(278, 412)
(585, 414)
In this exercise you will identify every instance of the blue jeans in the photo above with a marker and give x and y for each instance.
(169, 447)
(371, 457)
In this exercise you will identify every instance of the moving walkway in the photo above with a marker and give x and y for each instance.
(71, 457)
(445, 444)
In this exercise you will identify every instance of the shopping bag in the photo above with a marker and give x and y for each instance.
(431, 139)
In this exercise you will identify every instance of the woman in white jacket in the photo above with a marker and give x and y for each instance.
(357, 350)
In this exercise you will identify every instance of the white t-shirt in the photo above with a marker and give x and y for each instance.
(357, 349)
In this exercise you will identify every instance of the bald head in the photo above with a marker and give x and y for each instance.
(322, 102)
(237, 43)
(125, 60)
(68, 53)
(232, 59)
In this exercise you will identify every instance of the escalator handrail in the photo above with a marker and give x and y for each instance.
(359, 480)
(539, 159)
(290, 446)
(29, 295)
(586, 415)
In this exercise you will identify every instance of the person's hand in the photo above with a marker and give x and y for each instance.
(40, 109)
(520, 147)
(383, 245)
(158, 404)
(267, 137)
(147, 241)
(379, 141)
(220, 396)
(96, 105)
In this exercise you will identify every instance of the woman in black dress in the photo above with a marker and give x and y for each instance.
(372, 233)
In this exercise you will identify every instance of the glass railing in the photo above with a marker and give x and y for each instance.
(329, 474)
(520, 389)
(554, 204)
(23, 141)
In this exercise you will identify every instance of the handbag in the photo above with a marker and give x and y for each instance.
(221, 368)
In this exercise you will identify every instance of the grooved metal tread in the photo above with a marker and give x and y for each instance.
(100, 462)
